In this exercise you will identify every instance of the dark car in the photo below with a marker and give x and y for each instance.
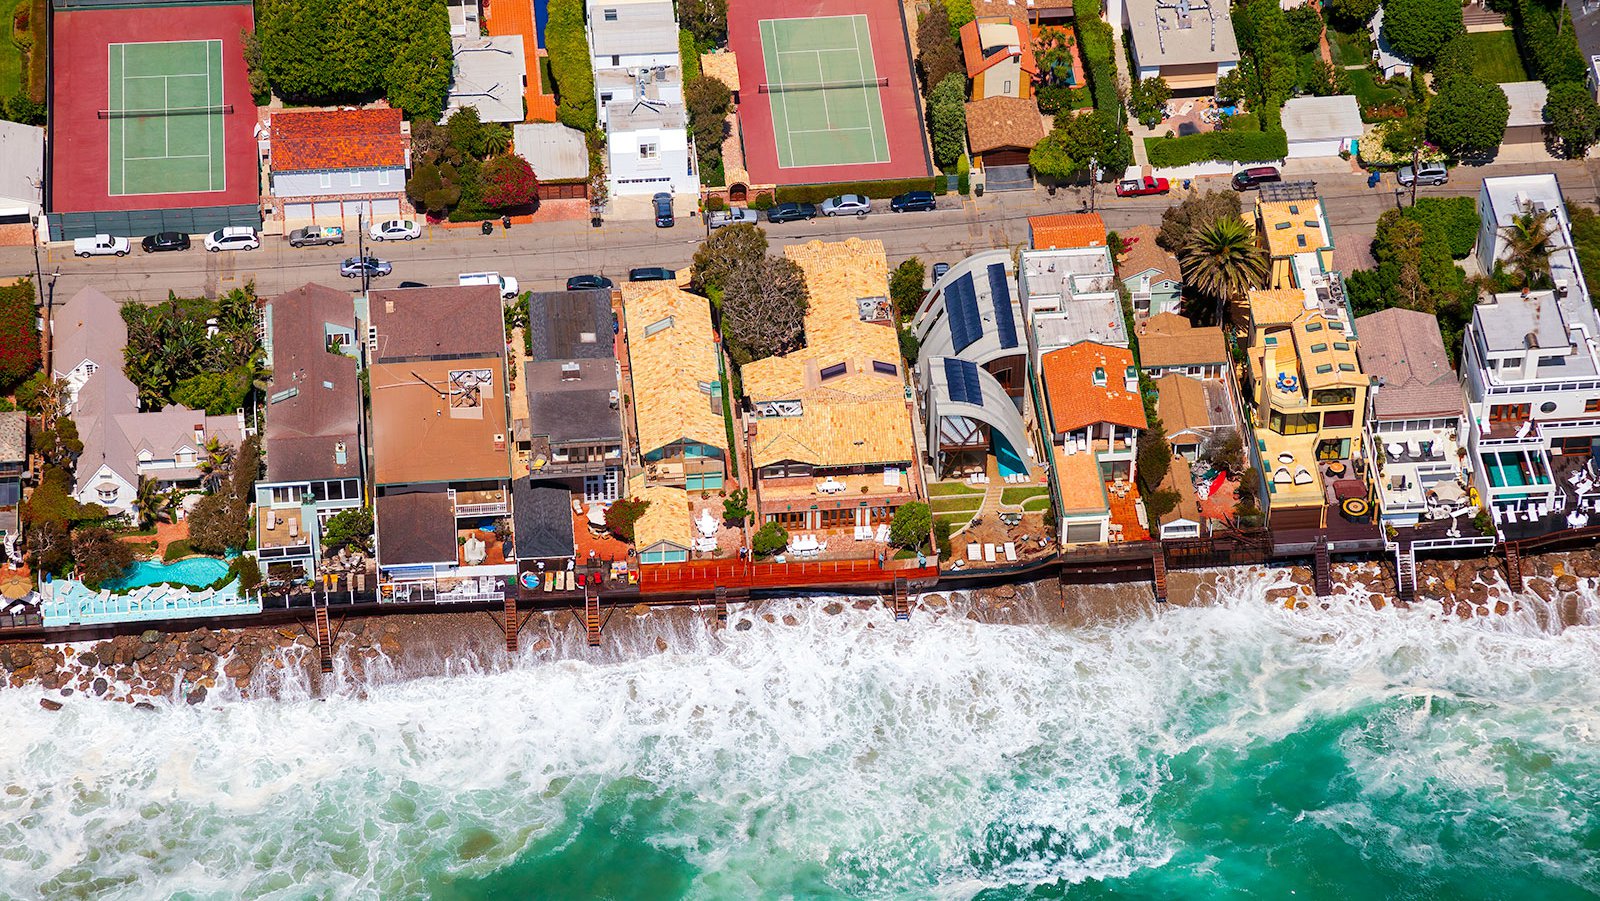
(792, 212)
(914, 202)
(1255, 177)
(587, 282)
(651, 274)
(162, 241)
(663, 202)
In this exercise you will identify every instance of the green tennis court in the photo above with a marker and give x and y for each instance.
(823, 87)
(164, 111)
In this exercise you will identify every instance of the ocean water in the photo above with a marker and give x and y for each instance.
(1235, 751)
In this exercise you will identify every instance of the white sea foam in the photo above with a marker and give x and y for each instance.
(940, 756)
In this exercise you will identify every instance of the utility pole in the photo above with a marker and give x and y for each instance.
(361, 255)
(39, 290)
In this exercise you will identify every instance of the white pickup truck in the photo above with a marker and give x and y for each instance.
(733, 216)
(100, 246)
(506, 284)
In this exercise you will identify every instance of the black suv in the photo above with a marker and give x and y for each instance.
(161, 241)
(651, 274)
(792, 212)
(914, 202)
(663, 202)
(587, 282)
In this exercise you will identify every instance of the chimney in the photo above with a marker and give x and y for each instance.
(339, 455)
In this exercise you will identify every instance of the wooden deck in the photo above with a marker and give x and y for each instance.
(709, 575)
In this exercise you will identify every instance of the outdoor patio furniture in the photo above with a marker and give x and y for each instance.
(1281, 476)
(1415, 448)
(272, 519)
(1395, 450)
(1336, 468)
(1397, 483)
(1011, 549)
(1302, 476)
(294, 528)
(882, 533)
(974, 551)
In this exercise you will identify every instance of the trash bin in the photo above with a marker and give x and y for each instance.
(488, 227)
(977, 190)
(505, 222)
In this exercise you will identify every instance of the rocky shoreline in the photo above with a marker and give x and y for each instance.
(203, 665)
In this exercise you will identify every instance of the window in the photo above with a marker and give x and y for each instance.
(789, 520)
(1292, 423)
(1548, 406)
(647, 151)
(354, 178)
(1347, 367)
(659, 325)
(834, 371)
(605, 97)
(106, 493)
(325, 180)
(1336, 326)
(1270, 341)
(1326, 396)
(885, 368)
(609, 15)
(1592, 405)
(616, 60)
(1508, 412)
(1338, 419)
(1007, 88)
(383, 176)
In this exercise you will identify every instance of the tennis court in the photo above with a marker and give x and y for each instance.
(824, 90)
(165, 115)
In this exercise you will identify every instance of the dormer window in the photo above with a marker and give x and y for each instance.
(834, 371)
(1099, 376)
(1313, 327)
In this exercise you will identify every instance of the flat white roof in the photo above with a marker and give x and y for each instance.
(556, 152)
(1181, 32)
(1526, 99)
(488, 76)
(1322, 118)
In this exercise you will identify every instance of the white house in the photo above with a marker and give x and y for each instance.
(1189, 43)
(1069, 296)
(328, 166)
(639, 91)
(1531, 367)
(21, 173)
(1321, 126)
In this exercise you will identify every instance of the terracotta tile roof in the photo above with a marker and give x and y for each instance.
(1074, 398)
(1168, 339)
(1182, 404)
(999, 122)
(337, 139)
(669, 363)
(1145, 255)
(1067, 230)
(972, 47)
(1011, 7)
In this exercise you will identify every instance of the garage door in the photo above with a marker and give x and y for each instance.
(1302, 149)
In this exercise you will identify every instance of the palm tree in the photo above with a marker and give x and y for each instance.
(495, 140)
(1530, 239)
(154, 504)
(1221, 260)
(214, 463)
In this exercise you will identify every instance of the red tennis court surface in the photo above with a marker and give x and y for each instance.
(908, 155)
(80, 140)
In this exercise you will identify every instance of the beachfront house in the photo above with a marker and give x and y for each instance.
(1095, 415)
(1069, 296)
(440, 442)
(13, 469)
(675, 370)
(1531, 369)
(312, 427)
(571, 431)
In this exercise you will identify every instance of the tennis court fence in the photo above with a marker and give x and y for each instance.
(780, 88)
(224, 109)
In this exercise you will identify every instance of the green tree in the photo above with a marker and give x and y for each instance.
(1398, 249)
(961, 12)
(728, 250)
(19, 107)
(707, 20)
(463, 133)
(348, 529)
(48, 516)
(770, 539)
(19, 335)
(433, 188)
(153, 504)
(736, 507)
(910, 527)
(623, 515)
(938, 54)
(1073, 145)
(509, 183)
(764, 308)
(1530, 238)
(905, 287)
(217, 393)
(1352, 15)
(1054, 51)
(213, 527)
(708, 101)
(1148, 99)
(947, 116)
(1468, 116)
(1305, 27)
(99, 555)
(1221, 260)
(1195, 212)
(1417, 29)
(1572, 118)
(567, 45)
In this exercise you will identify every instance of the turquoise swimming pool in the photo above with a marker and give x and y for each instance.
(195, 571)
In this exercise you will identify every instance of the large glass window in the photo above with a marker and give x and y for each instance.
(1292, 423)
(1339, 419)
(1326, 396)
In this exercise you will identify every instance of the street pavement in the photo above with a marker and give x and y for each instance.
(541, 257)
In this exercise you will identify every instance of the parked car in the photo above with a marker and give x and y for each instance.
(161, 242)
(1143, 187)
(234, 237)
(588, 282)
(847, 205)
(914, 202)
(507, 284)
(792, 212)
(663, 203)
(651, 274)
(939, 269)
(100, 246)
(1426, 174)
(396, 230)
(1255, 177)
(372, 267)
(733, 216)
(316, 234)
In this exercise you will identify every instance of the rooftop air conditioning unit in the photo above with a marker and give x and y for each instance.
(1562, 287)
(499, 441)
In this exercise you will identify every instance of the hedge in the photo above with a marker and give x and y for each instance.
(689, 55)
(1223, 146)
(1452, 219)
(568, 49)
(1097, 44)
(1548, 42)
(877, 189)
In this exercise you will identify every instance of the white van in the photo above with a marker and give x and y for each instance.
(508, 285)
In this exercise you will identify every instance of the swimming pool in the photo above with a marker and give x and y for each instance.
(194, 571)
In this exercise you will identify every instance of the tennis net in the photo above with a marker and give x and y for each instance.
(224, 109)
(781, 88)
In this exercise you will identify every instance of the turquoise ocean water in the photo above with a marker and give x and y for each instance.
(1237, 751)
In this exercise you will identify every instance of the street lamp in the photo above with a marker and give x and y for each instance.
(361, 255)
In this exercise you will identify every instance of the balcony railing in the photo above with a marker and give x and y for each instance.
(496, 508)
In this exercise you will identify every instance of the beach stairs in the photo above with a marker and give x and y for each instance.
(901, 600)
(591, 617)
(324, 636)
(1513, 566)
(1405, 572)
(722, 604)
(511, 625)
(1158, 565)
(1322, 571)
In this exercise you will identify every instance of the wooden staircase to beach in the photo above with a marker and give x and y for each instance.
(1158, 563)
(591, 617)
(722, 605)
(511, 622)
(1405, 572)
(902, 600)
(1322, 572)
(1513, 566)
(324, 636)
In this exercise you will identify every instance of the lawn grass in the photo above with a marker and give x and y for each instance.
(970, 504)
(10, 54)
(1350, 49)
(1370, 93)
(1014, 496)
(949, 489)
(1036, 504)
(1495, 58)
(958, 521)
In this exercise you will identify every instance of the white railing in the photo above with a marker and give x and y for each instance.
(467, 598)
(490, 509)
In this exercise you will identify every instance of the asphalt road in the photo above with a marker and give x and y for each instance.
(542, 256)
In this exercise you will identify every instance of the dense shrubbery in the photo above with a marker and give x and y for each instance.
(19, 335)
(1098, 44)
(1415, 270)
(1454, 220)
(1224, 146)
(170, 357)
(462, 169)
(1586, 241)
(1547, 41)
(567, 45)
(398, 50)
(876, 189)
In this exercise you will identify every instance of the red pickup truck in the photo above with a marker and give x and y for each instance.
(1140, 187)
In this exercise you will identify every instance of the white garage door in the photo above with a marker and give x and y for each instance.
(1301, 149)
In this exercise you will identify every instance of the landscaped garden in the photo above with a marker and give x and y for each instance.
(1494, 56)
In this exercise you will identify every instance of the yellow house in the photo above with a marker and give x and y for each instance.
(1296, 235)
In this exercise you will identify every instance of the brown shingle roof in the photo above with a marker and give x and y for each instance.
(1182, 404)
(337, 139)
(1168, 339)
(972, 44)
(1067, 230)
(304, 430)
(418, 323)
(1145, 255)
(417, 527)
(1403, 349)
(668, 363)
(1076, 401)
(998, 122)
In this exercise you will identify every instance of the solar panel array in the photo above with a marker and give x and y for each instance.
(1000, 292)
(962, 378)
(961, 300)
